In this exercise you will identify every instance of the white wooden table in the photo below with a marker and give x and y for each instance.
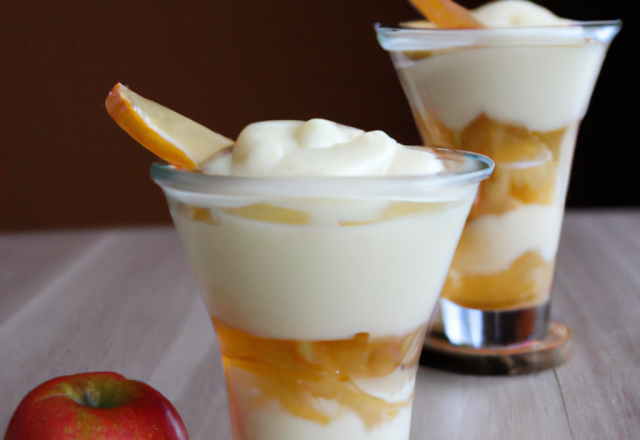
(125, 300)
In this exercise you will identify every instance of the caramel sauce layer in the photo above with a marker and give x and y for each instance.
(526, 165)
(526, 172)
(265, 212)
(526, 162)
(526, 283)
(295, 374)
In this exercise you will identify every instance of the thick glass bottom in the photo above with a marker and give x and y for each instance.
(526, 358)
(493, 328)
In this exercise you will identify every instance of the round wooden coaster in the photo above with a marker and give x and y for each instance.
(526, 358)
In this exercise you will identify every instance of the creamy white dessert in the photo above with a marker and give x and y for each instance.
(261, 277)
(516, 13)
(320, 302)
(462, 84)
(356, 244)
(318, 148)
(518, 96)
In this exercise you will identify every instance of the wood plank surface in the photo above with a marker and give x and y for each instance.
(125, 300)
(31, 262)
(598, 295)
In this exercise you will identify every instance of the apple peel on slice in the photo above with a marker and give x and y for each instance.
(447, 14)
(169, 135)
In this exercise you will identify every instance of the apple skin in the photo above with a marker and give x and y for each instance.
(97, 406)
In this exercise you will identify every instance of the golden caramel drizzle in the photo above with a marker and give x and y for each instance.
(270, 213)
(258, 211)
(525, 283)
(553, 140)
(526, 165)
(446, 14)
(293, 373)
(202, 215)
(401, 209)
(534, 184)
(274, 214)
(504, 143)
(437, 134)
(417, 55)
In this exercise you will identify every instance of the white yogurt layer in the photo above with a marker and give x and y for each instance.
(541, 88)
(491, 243)
(512, 77)
(396, 387)
(351, 266)
(318, 148)
(275, 424)
(323, 280)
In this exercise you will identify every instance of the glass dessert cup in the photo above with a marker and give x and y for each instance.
(320, 290)
(517, 95)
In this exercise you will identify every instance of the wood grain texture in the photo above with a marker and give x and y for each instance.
(598, 295)
(125, 300)
(46, 257)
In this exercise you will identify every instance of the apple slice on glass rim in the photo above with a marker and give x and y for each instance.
(447, 14)
(169, 135)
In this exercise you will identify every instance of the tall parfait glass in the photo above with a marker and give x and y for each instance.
(320, 290)
(517, 95)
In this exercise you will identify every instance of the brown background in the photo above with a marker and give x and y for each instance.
(226, 63)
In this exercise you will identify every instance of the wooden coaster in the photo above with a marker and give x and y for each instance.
(525, 358)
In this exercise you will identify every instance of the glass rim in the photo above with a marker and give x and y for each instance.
(407, 38)
(475, 167)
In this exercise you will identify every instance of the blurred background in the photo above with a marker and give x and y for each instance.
(226, 63)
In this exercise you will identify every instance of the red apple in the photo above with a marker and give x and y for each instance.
(97, 406)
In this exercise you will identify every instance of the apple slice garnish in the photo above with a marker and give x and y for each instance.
(169, 135)
(447, 14)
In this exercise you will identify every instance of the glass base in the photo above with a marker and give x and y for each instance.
(550, 351)
(492, 328)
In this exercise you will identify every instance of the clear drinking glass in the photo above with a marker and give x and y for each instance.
(517, 95)
(320, 290)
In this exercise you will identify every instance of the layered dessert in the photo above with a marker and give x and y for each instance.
(516, 89)
(320, 304)
(320, 251)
